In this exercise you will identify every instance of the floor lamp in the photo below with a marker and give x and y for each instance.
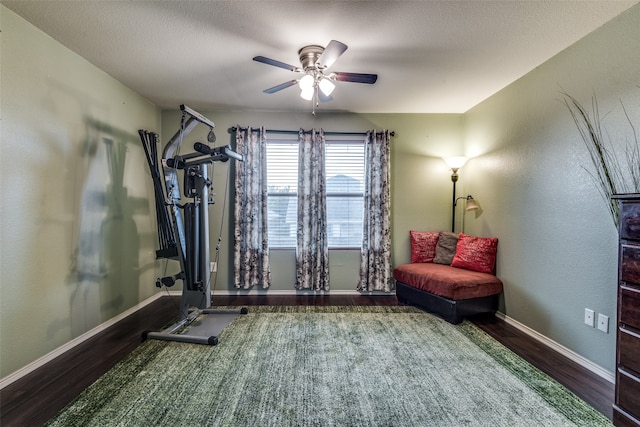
(472, 205)
(455, 163)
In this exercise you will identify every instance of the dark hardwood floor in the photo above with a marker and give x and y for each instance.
(33, 399)
(592, 388)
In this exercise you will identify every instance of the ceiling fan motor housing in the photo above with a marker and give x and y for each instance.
(309, 56)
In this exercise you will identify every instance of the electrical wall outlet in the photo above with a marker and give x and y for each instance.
(603, 323)
(213, 266)
(589, 317)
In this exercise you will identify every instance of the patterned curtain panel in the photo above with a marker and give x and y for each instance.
(312, 250)
(251, 245)
(375, 254)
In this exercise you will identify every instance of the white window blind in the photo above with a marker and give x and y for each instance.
(345, 186)
(344, 169)
(282, 191)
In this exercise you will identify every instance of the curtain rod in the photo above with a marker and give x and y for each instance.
(295, 132)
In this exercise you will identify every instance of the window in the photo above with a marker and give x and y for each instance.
(282, 188)
(344, 167)
(345, 200)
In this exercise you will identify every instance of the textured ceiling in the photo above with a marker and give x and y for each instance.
(430, 56)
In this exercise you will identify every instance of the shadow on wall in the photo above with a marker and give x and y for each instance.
(105, 270)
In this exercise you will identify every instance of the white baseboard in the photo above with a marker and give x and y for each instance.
(570, 354)
(74, 342)
(260, 291)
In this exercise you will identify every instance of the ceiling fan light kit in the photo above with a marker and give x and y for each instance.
(326, 86)
(315, 85)
(307, 93)
(306, 82)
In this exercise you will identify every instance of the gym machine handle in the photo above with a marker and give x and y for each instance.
(217, 151)
(176, 163)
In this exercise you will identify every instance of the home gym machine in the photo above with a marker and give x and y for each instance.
(183, 228)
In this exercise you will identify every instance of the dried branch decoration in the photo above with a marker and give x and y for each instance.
(611, 175)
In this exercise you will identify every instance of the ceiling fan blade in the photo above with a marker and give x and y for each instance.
(275, 63)
(280, 86)
(332, 52)
(355, 77)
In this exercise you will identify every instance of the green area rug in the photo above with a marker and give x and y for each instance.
(330, 366)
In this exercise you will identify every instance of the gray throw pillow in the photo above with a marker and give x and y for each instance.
(446, 247)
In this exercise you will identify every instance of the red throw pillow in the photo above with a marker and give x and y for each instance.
(423, 245)
(476, 253)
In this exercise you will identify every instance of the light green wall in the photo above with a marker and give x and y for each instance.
(421, 185)
(558, 245)
(77, 244)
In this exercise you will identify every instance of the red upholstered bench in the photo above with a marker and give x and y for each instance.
(464, 287)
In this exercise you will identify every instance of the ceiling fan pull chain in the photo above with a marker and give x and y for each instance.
(314, 102)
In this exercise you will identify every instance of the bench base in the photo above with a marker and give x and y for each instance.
(450, 310)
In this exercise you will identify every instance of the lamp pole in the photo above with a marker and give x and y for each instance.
(454, 163)
(454, 179)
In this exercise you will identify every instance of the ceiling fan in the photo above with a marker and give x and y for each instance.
(315, 84)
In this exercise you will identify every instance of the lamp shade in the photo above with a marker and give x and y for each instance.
(307, 93)
(455, 162)
(326, 86)
(472, 205)
(306, 82)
